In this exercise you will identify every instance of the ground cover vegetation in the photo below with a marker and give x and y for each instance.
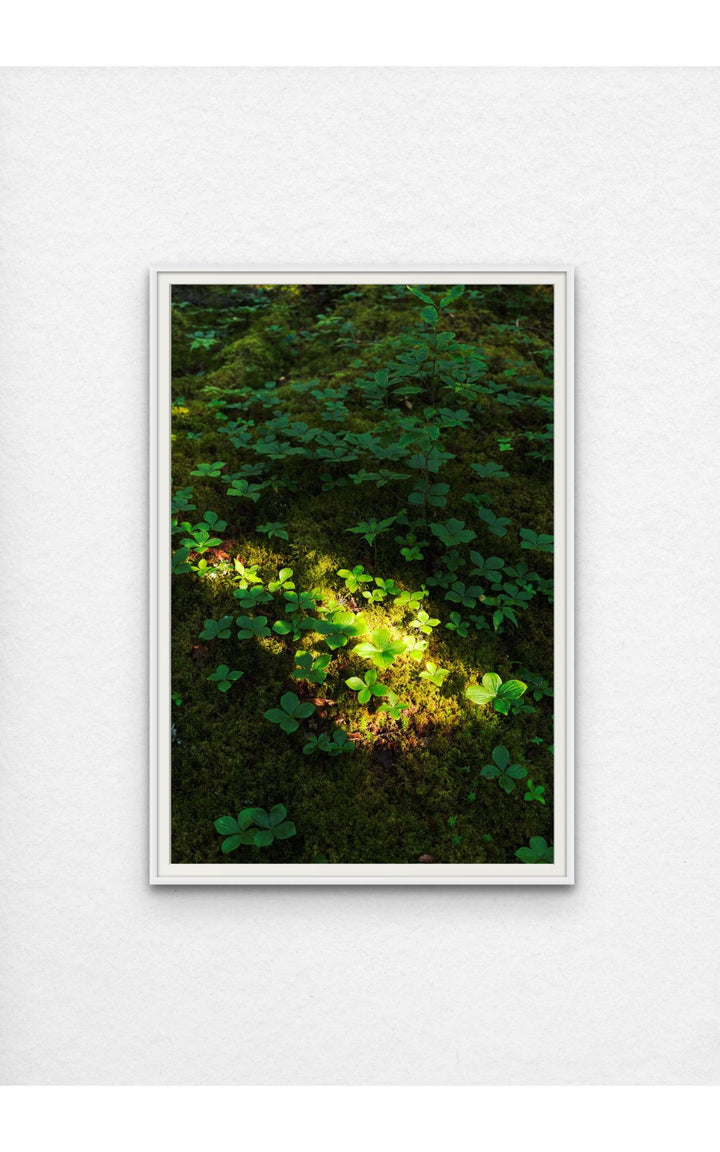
(362, 620)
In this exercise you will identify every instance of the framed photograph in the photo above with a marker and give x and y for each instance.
(361, 576)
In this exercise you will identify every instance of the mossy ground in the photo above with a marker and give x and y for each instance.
(404, 791)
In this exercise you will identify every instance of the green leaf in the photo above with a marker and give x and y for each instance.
(516, 772)
(477, 694)
(275, 715)
(526, 855)
(492, 682)
(277, 814)
(355, 683)
(260, 817)
(304, 710)
(512, 689)
(263, 837)
(429, 314)
(538, 844)
(226, 826)
(231, 843)
(245, 818)
(501, 756)
(283, 831)
(289, 702)
(419, 293)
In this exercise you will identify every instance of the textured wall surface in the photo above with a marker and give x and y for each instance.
(106, 981)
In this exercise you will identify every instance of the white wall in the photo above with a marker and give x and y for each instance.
(107, 171)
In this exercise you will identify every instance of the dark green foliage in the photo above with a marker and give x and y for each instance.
(356, 433)
(268, 827)
(537, 853)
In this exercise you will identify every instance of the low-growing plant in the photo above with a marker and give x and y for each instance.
(290, 713)
(490, 570)
(333, 745)
(209, 470)
(392, 707)
(434, 674)
(224, 678)
(381, 648)
(537, 853)
(457, 624)
(338, 628)
(502, 770)
(424, 622)
(498, 525)
(368, 687)
(284, 581)
(536, 542)
(410, 600)
(490, 471)
(252, 626)
(453, 532)
(217, 629)
(311, 668)
(494, 691)
(268, 827)
(534, 792)
(460, 594)
(371, 529)
(252, 597)
(246, 490)
(355, 577)
(273, 528)
(247, 575)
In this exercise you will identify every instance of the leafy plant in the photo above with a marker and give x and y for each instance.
(246, 490)
(312, 668)
(367, 687)
(252, 597)
(534, 792)
(217, 629)
(490, 471)
(453, 533)
(290, 713)
(495, 524)
(392, 707)
(493, 690)
(535, 542)
(333, 745)
(224, 678)
(338, 628)
(424, 622)
(435, 674)
(355, 577)
(537, 853)
(371, 529)
(490, 570)
(410, 600)
(247, 575)
(273, 528)
(502, 770)
(457, 624)
(381, 648)
(284, 581)
(249, 626)
(269, 826)
(209, 470)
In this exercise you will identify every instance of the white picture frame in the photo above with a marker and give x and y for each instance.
(162, 870)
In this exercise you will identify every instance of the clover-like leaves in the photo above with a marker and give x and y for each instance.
(290, 713)
(502, 770)
(269, 826)
(224, 678)
(381, 648)
(367, 687)
(492, 690)
(453, 533)
(537, 853)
